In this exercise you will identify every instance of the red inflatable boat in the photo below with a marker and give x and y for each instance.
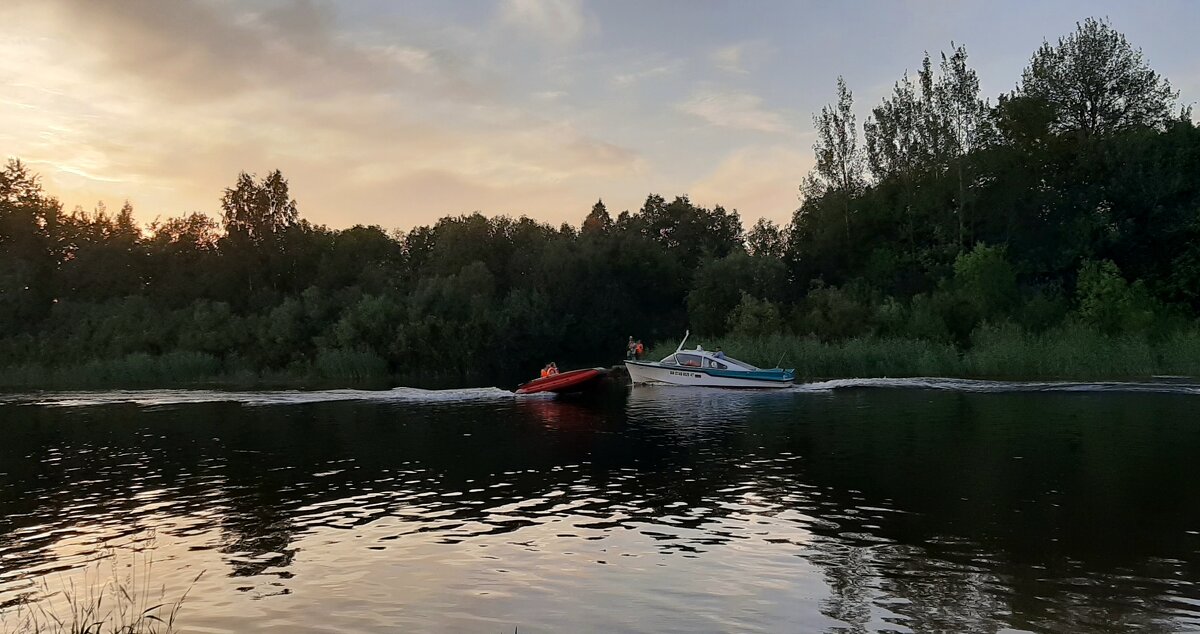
(573, 381)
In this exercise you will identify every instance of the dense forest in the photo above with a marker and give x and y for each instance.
(1070, 205)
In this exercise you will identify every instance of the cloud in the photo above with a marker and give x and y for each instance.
(758, 181)
(552, 21)
(412, 59)
(738, 110)
(729, 59)
(165, 104)
(659, 70)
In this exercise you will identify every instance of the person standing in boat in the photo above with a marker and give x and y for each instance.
(630, 349)
(638, 350)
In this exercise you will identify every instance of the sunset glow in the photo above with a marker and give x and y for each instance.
(399, 113)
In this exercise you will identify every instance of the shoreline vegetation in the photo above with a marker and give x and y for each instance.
(1047, 235)
(1003, 352)
(998, 353)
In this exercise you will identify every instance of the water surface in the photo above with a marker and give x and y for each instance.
(913, 505)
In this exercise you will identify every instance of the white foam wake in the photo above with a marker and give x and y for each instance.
(152, 398)
(981, 386)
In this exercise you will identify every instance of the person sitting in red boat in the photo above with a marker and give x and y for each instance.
(552, 369)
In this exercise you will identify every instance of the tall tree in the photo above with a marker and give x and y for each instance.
(893, 145)
(259, 211)
(1098, 83)
(839, 168)
(933, 127)
(766, 240)
(598, 220)
(900, 134)
(967, 119)
(32, 245)
(256, 216)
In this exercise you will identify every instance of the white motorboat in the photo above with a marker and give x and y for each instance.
(710, 369)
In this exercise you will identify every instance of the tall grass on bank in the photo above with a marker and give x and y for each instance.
(103, 601)
(176, 369)
(133, 369)
(349, 364)
(1003, 351)
(1069, 352)
(1000, 352)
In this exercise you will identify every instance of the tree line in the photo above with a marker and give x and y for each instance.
(1073, 199)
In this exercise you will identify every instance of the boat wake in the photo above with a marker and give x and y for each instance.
(158, 398)
(1172, 386)
(154, 398)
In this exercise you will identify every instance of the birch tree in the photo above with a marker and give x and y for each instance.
(839, 168)
(966, 119)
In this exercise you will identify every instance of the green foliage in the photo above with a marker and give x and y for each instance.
(840, 162)
(1007, 351)
(719, 286)
(986, 281)
(835, 313)
(1109, 303)
(1096, 82)
(927, 317)
(754, 317)
(350, 365)
(259, 211)
(766, 240)
(1043, 308)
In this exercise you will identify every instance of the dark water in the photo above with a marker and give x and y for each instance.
(845, 507)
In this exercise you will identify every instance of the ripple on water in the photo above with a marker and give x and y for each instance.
(681, 511)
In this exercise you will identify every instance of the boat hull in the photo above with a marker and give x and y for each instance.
(640, 372)
(566, 382)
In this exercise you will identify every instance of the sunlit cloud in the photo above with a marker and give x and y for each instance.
(647, 73)
(279, 88)
(729, 59)
(400, 113)
(738, 110)
(553, 21)
(758, 179)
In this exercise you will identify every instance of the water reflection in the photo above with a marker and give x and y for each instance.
(860, 510)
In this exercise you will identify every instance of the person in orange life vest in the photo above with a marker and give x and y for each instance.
(546, 371)
(639, 350)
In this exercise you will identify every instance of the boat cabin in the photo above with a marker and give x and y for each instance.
(701, 358)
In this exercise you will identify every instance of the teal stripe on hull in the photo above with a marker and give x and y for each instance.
(754, 375)
(773, 376)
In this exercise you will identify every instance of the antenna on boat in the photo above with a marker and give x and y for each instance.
(685, 336)
(777, 366)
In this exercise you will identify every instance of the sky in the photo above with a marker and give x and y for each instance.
(399, 113)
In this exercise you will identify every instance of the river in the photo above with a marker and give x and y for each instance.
(846, 506)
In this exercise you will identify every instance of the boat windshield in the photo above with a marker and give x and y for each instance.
(690, 360)
(697, 361)
(736, 363)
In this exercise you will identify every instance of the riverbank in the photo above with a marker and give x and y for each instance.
(192, 370)
(996, 352)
